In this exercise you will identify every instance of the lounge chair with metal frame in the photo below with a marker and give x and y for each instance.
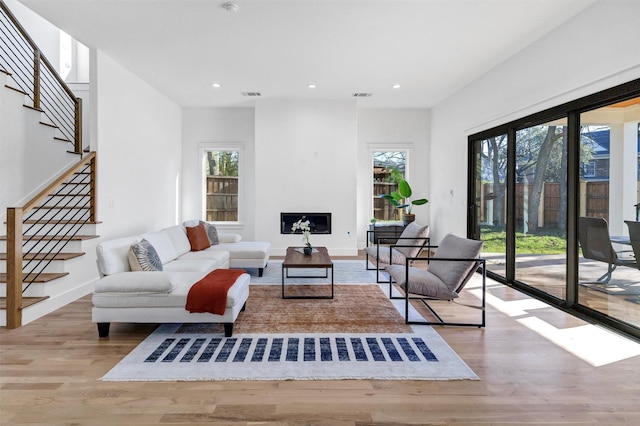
(634, 239)
(410, 243)
(595, 242)
(455, 261)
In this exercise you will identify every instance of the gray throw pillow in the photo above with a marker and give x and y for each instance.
(415, 236)
(143, 257)
(212, 233)
(453, 273)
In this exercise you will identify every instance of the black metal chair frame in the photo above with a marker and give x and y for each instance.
(480, 263)
(391, 247)
(604, 252)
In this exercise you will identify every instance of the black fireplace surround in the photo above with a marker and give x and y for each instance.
(320, 223)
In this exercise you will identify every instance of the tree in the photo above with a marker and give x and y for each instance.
(222, 163)
(495, 154)
(544, 154)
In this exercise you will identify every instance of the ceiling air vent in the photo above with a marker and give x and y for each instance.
(251, 94)
(361, 95)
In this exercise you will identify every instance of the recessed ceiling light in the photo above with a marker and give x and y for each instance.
(311, 86)
(216, 85)
(395, 86)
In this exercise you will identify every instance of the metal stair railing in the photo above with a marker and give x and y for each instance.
(42, 228)
(36, 77)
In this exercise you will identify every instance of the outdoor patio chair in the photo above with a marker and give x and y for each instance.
(595, 243)
(455, 261)
(634, 239)
(409, 244)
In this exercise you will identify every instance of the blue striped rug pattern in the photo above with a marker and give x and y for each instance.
(292, 349)
(168, 355)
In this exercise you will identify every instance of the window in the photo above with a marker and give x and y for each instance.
(589, 169)
(389, 168)
(221, 190)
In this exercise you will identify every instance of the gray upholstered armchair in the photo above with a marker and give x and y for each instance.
(410, 243)
(447, 272)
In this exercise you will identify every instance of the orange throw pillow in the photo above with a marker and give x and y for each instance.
(198, 238)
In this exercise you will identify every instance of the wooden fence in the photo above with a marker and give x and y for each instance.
(382, 209)
(594, 201)
(222, 199)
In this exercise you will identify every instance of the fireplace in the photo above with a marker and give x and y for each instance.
(320, 223)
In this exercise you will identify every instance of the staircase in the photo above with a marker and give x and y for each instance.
(43, 253)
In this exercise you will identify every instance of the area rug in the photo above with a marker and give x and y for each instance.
(170, 356)
(361, 308)
(359, 334)
(344, 272)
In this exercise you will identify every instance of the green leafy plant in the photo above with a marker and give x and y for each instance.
(401, 198)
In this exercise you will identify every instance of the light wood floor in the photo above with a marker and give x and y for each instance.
(49, 373)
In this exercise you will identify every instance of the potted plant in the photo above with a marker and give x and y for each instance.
(401, 199)
(304, 227)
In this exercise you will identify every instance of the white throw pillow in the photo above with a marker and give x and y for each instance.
(113, 255)
(228, 238)
(162, 243)
(178, 237)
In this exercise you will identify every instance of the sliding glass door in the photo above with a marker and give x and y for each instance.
(608, 188)
(537, 183)
(541, 207)
(490, 195)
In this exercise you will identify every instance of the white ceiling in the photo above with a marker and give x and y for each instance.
(432, 48)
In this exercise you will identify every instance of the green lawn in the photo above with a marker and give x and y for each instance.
(545, 241)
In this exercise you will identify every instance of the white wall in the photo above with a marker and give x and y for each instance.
(306, 161)
(206, 126)
(44, 34)
(402, 129)
(291, 134)
(596, 50)
(137, 133)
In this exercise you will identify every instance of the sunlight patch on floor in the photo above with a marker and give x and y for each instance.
(512, 308)
(591, 343)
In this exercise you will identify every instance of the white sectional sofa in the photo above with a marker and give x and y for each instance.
(123, 295)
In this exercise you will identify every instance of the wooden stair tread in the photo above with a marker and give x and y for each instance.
(45, 256)
(56, 138)
(54, 237)
(48, 124)
(42, 278)
(33, 108)
(26, 301)
(15, 89)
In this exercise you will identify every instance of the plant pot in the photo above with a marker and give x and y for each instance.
(308, 250)
(408, 218)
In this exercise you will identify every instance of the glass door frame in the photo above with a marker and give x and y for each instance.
(571, 112)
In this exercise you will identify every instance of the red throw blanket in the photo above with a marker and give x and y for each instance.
(210, 293)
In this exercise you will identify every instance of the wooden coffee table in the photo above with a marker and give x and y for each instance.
(296, 260)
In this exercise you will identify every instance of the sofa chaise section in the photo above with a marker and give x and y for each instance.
(159, 297)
